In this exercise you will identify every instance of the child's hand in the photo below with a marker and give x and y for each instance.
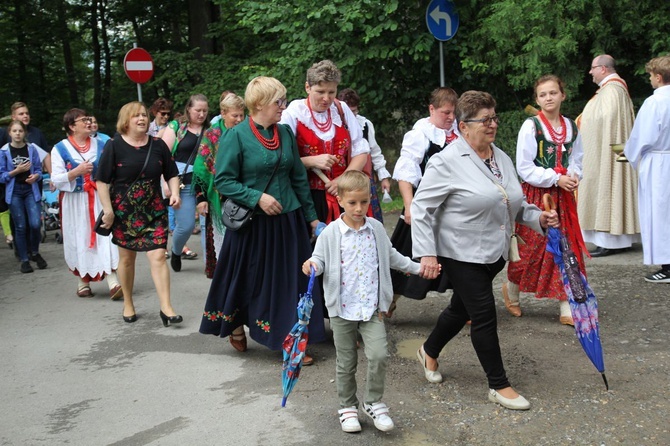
(430, 268)
(306, 267)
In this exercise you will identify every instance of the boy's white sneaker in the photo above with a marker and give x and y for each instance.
(349, 419)
(379, 413)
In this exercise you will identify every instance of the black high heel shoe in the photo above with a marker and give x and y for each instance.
(130, 319)
(167, 320)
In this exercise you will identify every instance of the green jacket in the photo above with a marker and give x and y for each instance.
(244, 166)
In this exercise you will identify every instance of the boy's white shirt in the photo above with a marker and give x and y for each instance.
(327, 257)
(359, 293)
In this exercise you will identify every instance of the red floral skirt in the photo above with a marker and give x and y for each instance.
(536, 272)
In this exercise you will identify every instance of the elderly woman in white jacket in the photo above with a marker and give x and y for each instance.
(464, 212)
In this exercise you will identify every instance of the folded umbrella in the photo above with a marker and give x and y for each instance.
(295, 344)
(583, 303)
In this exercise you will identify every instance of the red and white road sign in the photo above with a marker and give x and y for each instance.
(139, 65)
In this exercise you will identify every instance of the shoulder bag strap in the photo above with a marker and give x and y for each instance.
(193, 153)
(340, 111)
(146, 161)
(276, 165)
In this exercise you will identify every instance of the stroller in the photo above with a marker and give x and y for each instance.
(50, 210)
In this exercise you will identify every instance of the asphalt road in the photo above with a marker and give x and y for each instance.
(72, 372)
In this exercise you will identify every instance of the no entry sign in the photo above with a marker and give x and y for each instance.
(139, 65)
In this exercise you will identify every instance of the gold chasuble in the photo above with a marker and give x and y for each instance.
(607, 197)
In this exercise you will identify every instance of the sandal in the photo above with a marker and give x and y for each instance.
(116, 293)
(514, 308)
(10, 241)
(85, 291)
(188, 254)
(238, 341)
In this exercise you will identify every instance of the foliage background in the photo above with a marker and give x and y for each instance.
(58, 54)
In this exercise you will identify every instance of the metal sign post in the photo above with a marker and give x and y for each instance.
(139, 67)
(442, 21)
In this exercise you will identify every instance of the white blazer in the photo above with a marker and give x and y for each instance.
(459, 213)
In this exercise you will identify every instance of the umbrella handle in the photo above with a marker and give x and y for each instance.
(312, 276)
(548, 202)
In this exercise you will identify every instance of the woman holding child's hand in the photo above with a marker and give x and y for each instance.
(464, 212)
(355, 256)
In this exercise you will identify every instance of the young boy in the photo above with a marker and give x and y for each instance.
(355, 255)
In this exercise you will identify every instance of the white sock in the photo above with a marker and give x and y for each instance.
(81, 283)
(565, 309)
(112, 280)
(513, 292)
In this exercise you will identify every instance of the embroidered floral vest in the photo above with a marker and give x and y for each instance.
(309, 144)
(546, 150)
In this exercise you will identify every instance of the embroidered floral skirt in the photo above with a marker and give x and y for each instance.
(141, 220)
(258, 281)
(536, 272)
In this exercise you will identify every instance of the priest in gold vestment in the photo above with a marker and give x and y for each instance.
(607, 200)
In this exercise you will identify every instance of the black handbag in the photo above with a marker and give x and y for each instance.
(236, 216)
(98, 221)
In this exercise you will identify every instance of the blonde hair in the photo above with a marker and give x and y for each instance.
(352, 180)
(126, 113)
(262, 91)
(231, 102)
(659, 65)
(18, 105)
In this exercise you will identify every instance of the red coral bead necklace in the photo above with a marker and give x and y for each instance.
(322, 126)
(268, 143)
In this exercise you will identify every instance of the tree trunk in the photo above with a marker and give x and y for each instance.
(200, 14)
(20, 24)
(107, 85)
(95, 43)
(63, 32)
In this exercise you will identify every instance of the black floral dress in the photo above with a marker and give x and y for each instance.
(141, 220)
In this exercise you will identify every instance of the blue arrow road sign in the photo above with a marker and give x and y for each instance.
(442, 19)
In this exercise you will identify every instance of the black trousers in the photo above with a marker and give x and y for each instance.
(472, 300)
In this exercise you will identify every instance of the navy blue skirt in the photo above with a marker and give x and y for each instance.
(258, 281)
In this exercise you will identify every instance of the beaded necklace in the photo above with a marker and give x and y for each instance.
(268, 143)
(81, 149)
(325, 126)
(558, 136)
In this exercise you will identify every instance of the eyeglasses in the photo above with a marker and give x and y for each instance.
(86, 119)
(486, 121)
(281, 102)
(164, 113)
(593, 67)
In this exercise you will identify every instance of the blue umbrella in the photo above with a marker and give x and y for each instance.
(583, 303)
(296, 342)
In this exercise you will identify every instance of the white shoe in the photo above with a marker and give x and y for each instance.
(518, 403)
(379, 413)
(432, 376)
(349, 419)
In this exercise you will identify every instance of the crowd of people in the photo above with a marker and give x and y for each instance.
(469, 211)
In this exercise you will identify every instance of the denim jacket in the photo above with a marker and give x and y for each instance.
(6, 166)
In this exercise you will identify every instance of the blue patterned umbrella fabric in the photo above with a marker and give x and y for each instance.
(296, 342)
(583, 303)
